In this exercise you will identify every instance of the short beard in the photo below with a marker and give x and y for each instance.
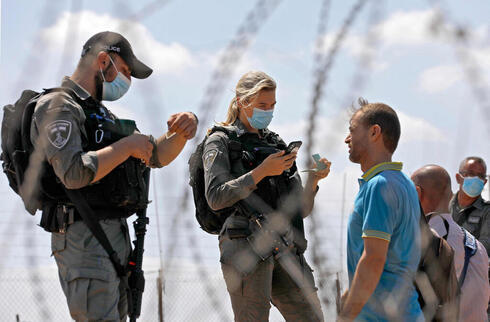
(354, 157)
(98, 87)
(99, 81)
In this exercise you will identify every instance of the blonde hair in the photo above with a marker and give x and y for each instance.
(247, 88)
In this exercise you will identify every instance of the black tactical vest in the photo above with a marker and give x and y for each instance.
(123, 188)
(283, 192)
(120, 193)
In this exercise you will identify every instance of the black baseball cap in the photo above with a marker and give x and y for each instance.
(113, 42)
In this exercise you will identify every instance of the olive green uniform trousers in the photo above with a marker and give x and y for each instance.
(92, 288)
(285, 280)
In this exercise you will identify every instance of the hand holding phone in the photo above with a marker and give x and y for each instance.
(293, 147)
(319, 165)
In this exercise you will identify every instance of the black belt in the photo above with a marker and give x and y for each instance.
(102, 213)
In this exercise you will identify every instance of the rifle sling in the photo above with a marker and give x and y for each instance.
(90, 219)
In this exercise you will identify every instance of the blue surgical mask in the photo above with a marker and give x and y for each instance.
(114, 90)
(473, 186)
(260, 119)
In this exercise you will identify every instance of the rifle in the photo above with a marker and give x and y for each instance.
(136, 280)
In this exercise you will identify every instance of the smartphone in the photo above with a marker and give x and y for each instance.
(293, 147)
(319, 165)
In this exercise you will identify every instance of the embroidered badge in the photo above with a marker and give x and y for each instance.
(58, 133)
(473, 219)
(209, 158)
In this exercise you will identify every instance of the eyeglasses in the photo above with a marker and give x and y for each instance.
(481, 176)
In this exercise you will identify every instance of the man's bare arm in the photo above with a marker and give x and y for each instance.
(366, 277)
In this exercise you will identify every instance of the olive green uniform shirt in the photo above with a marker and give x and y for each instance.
(91, 285)
(58, 128)
(222, 189)
(475, 218)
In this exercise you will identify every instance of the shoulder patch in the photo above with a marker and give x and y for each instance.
(473, 219)
(58, 133)
(209, 158)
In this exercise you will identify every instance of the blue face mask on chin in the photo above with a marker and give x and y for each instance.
(260, 119)
(114, 90)
(473, 186)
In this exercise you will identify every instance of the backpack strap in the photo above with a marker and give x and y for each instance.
(446, 223)
(470, 248)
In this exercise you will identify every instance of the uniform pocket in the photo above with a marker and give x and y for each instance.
(58, 242)
(227, 248)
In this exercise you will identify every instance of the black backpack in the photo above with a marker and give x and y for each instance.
(210, 221)
(17, 148)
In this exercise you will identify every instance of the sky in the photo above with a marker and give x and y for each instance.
(405, 52)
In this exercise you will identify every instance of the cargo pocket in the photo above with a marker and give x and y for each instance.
(232, 237)
(308, 278)
(76, 296)
(93, 299)
(58, 242)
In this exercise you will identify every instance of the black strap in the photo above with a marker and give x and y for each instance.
(468, 252)
(446, 224)
(90, 219)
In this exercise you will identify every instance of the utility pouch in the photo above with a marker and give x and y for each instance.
(266, 242)
(56, 218)
(49, 219)
(237, 227)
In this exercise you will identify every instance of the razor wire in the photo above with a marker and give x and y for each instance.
(29, 64)
(72, 29)
(357, 84)
(324, 69)
(444, 27)
(458, 36)
(38, 290)
(148, 10)
(71, 33)
(213, 93)
(324, 64)
(221, 75)
(228, 61)
(368, 53)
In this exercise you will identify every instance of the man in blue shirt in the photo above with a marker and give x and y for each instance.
(383, 237)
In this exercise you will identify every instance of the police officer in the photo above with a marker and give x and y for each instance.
(467, 207)
(92, 151)
(262, 242)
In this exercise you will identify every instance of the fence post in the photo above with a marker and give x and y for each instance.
(338, 296)
(160, 296)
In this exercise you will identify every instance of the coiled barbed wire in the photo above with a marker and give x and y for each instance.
(226, 65)
(324, 64)
(458, 37)
(38, 290)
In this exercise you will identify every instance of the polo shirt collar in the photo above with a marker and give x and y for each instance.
(380, 167)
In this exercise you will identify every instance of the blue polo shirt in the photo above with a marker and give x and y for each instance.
(387, 208)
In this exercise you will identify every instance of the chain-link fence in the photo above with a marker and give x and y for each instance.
(181, 296)
(197, 291)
